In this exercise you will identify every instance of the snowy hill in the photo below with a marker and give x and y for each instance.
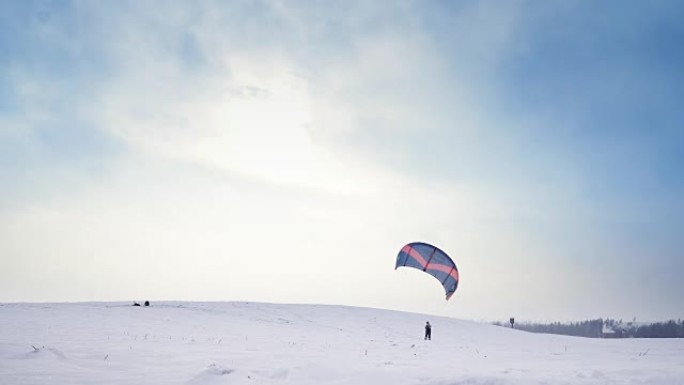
(254, 343)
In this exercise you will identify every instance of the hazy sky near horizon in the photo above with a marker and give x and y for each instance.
(285, 151)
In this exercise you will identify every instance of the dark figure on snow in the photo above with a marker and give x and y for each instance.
(428, 331)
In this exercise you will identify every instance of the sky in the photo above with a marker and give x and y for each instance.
(285, 151)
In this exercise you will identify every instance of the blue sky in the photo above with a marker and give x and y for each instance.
(285, 151)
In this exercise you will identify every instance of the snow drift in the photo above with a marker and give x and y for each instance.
(255, 343)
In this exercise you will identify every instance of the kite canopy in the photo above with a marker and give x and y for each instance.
(431, 260)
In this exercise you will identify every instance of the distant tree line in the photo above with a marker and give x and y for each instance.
(608, 328)
(669, 329)
(591, 328)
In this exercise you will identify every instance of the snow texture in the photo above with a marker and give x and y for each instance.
(200, 343)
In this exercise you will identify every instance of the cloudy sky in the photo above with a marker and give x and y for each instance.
(285, 151)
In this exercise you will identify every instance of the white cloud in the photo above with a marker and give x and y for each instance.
(238, 176)
(255, 165)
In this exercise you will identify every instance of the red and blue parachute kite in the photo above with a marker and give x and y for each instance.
(431, 260)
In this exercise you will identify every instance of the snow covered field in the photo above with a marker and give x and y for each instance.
(254, 343)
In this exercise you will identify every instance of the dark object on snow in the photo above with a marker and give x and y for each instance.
(428, 331)
(512, 321)
(136, 304)
(147, 303)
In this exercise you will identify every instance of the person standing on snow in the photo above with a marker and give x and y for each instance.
(428, 331)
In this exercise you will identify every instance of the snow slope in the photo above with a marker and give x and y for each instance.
(254, 343)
